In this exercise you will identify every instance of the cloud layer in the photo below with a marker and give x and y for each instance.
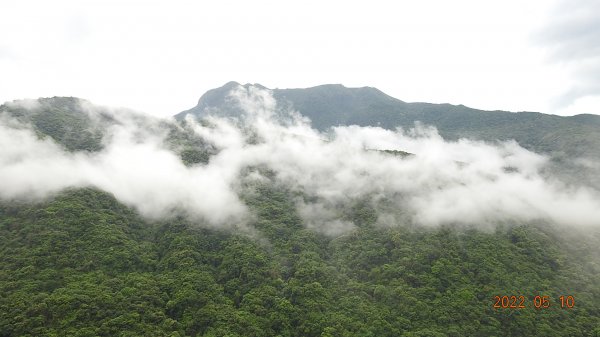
(465, 182)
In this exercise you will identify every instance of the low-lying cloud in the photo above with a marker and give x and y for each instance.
(464, 181)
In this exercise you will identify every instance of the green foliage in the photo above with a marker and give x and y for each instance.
(82, 264)
(77, 125)
(64, 120)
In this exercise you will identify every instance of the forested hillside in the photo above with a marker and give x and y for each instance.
(79, 126)
(113, 223)
(82, 264)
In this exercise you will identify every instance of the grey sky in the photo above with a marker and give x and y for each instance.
(573, 41)
(159, 57)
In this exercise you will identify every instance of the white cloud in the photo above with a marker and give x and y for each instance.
(464, 181)
(140, 172)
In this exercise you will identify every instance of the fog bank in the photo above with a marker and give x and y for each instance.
(444, 182)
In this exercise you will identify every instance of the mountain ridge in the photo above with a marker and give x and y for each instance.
(333, 105)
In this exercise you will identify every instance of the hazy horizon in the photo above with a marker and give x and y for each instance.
(158, 58)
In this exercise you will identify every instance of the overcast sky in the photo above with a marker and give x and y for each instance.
(160, 57)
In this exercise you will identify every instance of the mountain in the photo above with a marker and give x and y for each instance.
(85, 261)
(333, 104)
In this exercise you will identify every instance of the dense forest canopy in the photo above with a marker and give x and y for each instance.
(250, 222)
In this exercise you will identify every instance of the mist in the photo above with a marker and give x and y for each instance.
(443, 182)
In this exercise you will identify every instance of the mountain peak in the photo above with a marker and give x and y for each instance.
(335, 96)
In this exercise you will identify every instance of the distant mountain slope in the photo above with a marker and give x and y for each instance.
(78, 125)
(63, 119)
(333, 104)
